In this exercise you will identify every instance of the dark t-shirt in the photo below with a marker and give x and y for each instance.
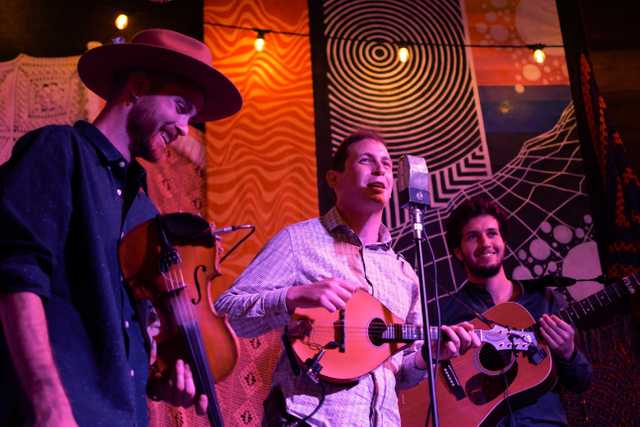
(62, 214)
(574, 374)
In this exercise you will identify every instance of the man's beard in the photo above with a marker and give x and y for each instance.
(483, 271)
(140, 126)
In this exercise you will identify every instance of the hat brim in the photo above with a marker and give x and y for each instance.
(99, 67)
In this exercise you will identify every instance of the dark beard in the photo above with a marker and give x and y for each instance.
(140, 128)
(484, 272)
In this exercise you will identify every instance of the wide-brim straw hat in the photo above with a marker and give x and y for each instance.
(168, 52)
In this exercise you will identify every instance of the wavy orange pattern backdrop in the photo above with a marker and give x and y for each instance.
(261, 163)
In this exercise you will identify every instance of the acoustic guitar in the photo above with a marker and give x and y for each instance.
(476, 388)
(347, 344)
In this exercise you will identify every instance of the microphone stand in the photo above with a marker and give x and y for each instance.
(427, 352)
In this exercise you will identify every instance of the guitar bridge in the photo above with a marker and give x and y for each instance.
(452, 380)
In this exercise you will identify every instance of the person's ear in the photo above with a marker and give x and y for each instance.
(138, 84)
(332, 178)
(458, 253)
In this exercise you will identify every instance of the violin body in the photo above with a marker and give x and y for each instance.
(181, 290)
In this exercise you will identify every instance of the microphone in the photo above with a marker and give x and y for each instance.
(231, 229)
(413, 182)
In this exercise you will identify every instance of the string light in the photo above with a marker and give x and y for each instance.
(538, 53)
(403, 54)
(259, 43)
(405, 43)
(122, 21)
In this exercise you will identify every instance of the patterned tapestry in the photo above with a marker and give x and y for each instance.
(261, 166)
(427, 107)
(519, 124)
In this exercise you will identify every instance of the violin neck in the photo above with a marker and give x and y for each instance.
(202, 376)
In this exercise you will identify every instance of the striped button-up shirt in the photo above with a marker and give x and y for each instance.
(307, 252)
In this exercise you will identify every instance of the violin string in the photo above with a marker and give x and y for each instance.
(182, 312)
(179, 312)
(194, 339)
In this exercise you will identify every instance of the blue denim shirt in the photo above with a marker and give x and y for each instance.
(574, 374)
(62, 215)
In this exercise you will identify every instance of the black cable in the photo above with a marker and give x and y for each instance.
(436, 296)
(238, 243)
(323, 394)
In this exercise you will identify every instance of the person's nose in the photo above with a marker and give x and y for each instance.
(182, 128)
(483, 240)
(378, 168)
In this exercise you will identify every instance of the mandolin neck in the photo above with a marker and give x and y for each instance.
(407, 333)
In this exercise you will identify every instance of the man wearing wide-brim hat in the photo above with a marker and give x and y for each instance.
(72, 350)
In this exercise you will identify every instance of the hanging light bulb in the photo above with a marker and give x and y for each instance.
(122, 21)
(403, 54)
(538, 53)
(259, 42)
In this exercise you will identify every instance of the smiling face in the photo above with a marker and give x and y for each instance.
(159, 116)
(366, 182)
(481, 247)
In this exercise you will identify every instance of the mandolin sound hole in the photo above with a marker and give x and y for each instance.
(376, 328)
(492, 361)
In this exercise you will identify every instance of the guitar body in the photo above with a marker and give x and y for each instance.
(488, 376)
(317, 327)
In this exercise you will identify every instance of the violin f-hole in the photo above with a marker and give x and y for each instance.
(197, 283)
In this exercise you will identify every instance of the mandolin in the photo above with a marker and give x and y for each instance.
(347, 344)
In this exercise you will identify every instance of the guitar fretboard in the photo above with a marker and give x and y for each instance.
(602, 299)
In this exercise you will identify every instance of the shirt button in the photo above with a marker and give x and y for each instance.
(121, 163)
(121, 234)
(132, 372)
(126, 324)
(119, 192)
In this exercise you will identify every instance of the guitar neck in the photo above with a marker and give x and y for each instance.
(584, 308)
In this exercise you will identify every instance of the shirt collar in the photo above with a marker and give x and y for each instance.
(337, 227)
(136, 176)
(106, 150)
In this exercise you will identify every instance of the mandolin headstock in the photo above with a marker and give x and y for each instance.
(502, 338)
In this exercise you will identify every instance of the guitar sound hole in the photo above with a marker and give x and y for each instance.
(376, 328)
(494, 362)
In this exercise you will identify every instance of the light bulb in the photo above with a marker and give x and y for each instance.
(122, 21)
(259, 43)
(403, 54)
(539, 56)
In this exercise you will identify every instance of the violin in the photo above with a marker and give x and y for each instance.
(172, 260)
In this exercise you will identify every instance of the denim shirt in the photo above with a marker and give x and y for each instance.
(62, 215)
